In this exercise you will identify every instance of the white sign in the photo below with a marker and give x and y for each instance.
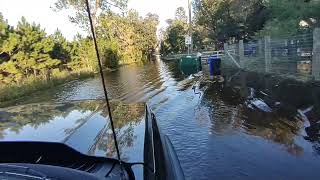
(188, 40)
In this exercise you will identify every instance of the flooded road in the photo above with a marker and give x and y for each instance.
(252, 126)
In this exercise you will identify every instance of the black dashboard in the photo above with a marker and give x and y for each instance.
(45, 160)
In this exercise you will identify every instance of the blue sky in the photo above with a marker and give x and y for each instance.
(39, 11)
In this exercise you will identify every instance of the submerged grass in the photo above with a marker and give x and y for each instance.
(34, 84)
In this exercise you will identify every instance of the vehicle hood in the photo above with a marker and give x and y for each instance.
(82, 125)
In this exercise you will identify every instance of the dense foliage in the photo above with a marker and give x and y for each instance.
(28, 53)
(174, 36)
(129, 38)
(25, 51)
(219, 21)
(231, 19)
(289, 17)
(97, 7)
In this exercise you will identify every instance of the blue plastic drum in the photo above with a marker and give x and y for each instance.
(214, 65)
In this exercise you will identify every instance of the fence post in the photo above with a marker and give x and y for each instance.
(316, 53)
(267, 53)
(241, 53)
(260, 47)
(225, 46)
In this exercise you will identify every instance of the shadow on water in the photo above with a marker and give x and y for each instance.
(251, 126)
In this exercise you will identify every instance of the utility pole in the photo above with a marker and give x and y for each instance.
(190, 27)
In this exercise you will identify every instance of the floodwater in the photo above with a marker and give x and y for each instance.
(252, 126)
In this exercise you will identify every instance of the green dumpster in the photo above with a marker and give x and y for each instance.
(190, 64)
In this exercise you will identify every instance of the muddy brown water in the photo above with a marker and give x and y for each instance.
(252, 126)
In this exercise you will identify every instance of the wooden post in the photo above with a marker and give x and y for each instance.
(316, 54)
(267, 53)
(241, 53)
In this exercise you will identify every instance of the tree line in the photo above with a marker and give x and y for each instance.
(218, 21)
(28, 52)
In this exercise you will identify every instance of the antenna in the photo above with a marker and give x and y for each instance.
(103, 83)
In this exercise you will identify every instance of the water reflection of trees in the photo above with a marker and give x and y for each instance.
(15, 118)
(294, 96)
(274, 128)
(132, 83)
(229, 111)
(126, 117)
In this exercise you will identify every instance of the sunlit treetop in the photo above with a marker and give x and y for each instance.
(97, 7)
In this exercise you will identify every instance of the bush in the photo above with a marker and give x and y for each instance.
(112, 58)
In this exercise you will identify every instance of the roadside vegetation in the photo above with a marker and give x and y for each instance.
(16, 91)
(218, 21)
(31, 60)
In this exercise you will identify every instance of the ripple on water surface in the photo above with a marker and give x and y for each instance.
(218, 130)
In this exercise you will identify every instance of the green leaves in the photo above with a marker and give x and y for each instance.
(127, 39)
(286, 16)
(4, 30)
(61, 47)
(97, 7)
(173, 40)
(230, 20)
(29, 52)
(13, 74)
(181, 14)
(10, 43)
(26, 51)
(82, 56)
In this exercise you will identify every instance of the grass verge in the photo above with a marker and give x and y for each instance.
(31, 85)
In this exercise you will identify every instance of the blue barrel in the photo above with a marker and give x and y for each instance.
(214, 65)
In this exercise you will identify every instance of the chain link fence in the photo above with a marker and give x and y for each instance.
(295, 56)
